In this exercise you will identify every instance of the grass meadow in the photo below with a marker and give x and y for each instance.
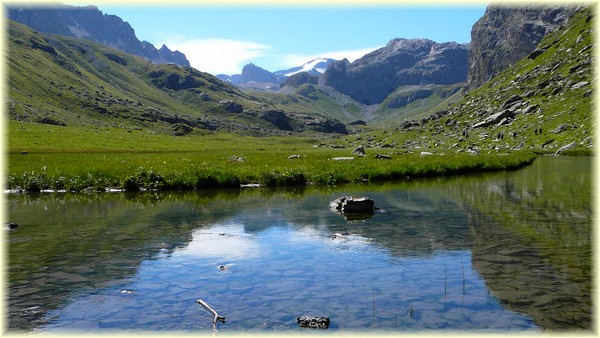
(44, 157)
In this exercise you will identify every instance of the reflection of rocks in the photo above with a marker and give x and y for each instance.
(349, 217)
(518, 273)
(532, 251)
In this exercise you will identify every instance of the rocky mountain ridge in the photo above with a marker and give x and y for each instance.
(543, 102)
(370, 79)
(304, 102)
(91, 24)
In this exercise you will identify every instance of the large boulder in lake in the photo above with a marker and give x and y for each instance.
(350, 204)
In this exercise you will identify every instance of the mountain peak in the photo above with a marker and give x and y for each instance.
(88, 22)
(401, 62)
(253, 73)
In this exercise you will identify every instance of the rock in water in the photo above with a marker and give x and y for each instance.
(348, 204)
(314, 322)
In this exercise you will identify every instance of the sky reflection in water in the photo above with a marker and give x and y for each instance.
(433, 257)
(283, 272)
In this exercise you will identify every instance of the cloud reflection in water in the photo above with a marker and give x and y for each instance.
(224, 242)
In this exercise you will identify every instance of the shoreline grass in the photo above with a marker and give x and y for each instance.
(42, 157)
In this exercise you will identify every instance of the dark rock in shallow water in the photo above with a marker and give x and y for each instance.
(348, 204)
(314, 322)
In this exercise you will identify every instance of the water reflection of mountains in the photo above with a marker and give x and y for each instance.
(102, 238)
(532, 239)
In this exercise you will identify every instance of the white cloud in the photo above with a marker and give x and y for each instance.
(217, 56)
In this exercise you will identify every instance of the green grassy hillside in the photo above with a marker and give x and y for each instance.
(310, 98)
(86, 116)
(405, 103)
(543, 103)
(66, 81)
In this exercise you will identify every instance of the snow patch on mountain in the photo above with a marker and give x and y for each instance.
(318, 65)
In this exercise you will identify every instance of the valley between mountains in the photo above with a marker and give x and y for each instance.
(93, 108)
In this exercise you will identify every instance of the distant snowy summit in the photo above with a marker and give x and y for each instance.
(313, 67)
(254, 76)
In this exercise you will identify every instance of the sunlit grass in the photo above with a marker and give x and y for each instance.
(51, 157)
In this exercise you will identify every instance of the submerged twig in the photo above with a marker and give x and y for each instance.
(217, 318)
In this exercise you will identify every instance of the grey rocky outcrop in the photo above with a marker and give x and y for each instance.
(278, 118)
(505, 35)
(565, 148)
(359, 151)
(495, 118)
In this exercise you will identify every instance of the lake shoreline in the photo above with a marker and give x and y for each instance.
(319, 172)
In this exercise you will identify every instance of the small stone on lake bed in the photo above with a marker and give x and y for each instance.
(313, 322)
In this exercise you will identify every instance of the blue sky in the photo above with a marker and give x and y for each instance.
(221, 40)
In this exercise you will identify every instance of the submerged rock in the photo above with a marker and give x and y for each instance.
(314, 322)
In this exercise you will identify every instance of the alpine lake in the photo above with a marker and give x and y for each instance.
(504, 252)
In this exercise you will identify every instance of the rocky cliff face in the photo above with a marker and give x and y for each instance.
(504, 35)
(373, 77)
(91, 24)
(543, 102)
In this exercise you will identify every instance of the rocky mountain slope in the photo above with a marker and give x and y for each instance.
(402, 62)
(60, 80)
(543, 102)
(504, 35)
(404, 80)
(91, 24)
(400, 85)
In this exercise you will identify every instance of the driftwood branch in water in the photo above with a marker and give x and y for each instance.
(217, 317)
